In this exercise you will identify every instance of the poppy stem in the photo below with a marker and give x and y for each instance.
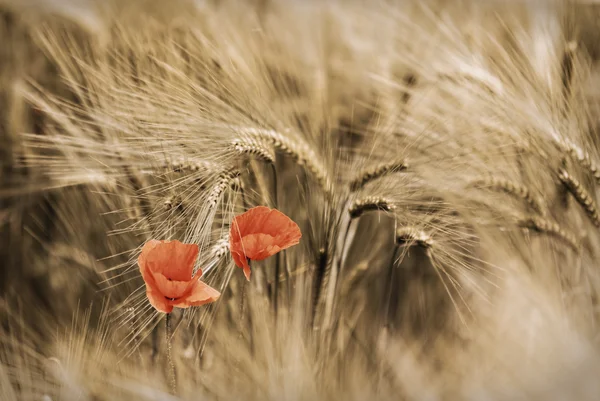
(170, 364)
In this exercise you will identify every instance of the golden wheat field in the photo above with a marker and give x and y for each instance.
(434, 166)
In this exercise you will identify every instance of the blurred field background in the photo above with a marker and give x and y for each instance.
(439, 156)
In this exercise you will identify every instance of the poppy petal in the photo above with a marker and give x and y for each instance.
(238, 256)
(259, 246)
(170, 288)
(200, 294)
(247, 271)
(279, 225)
(261, 219)
(242, 262)
(143, 259)
(249, 222)
(158, 301)
(289, 238)
(175, 260)
(259, 233)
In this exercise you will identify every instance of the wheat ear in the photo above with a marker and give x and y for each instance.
(254, 147)
(226, 178)
(182, 165)
(583, 197)
(370, 203)
(373, 173)
(548, 227)
(511, 188)
(583, 159)
(142, 201)
(407, 236)
(567, 67)
(298, 150)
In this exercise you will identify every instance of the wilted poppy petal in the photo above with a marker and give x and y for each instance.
(158, 301)
(175, 260)
(170, 288)
(200, 294)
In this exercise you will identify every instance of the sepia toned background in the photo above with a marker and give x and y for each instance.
(440, 158)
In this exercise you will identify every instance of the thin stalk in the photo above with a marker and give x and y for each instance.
(243, 295)
(212, 316)
(278, 256)
(318, 283)
(339, 266)
(338, 273)
(390, 286)
(170, 364)
(242, 319)
(568, 68)
(275, 185)
(242, 308)
(154, 343)
(243, 195)
(341, 260)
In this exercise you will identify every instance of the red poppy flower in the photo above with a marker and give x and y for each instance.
(167, 267)
(259, 233)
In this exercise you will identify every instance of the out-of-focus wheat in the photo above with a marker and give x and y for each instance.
(440, 158)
